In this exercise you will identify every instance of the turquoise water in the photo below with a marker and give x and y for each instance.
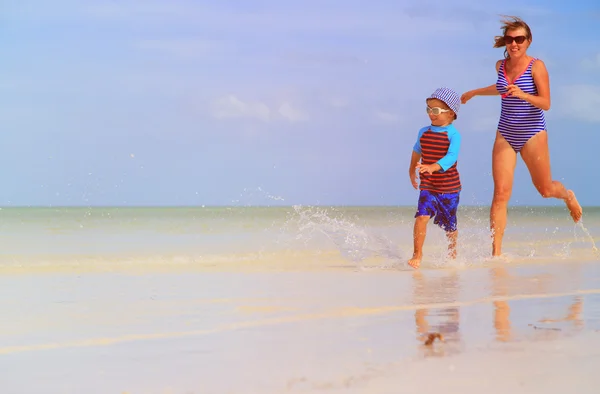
(78, 235)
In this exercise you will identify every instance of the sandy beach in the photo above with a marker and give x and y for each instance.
(523, 329)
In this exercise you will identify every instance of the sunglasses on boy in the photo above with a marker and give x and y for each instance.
(519, 39)
(436, 110)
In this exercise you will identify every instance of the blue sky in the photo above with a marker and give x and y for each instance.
(271, 102)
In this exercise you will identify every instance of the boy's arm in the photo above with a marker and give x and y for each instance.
(414, 160)
(412, 174)
(452, 154)
(417, 145)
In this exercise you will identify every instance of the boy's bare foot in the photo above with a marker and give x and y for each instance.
(432, 337)
(573, 206)
(415, 261)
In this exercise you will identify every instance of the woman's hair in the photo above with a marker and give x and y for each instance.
(511, 23)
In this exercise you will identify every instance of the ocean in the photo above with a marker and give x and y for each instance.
(201, 237)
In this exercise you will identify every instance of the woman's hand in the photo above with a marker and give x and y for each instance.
(467, 96)
(515, 91)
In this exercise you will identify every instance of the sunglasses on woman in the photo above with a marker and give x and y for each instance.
(518, 39)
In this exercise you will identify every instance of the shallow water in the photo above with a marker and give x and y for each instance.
(302, 299)
(271, 332)
(113, 238)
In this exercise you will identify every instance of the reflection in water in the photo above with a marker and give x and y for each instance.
(547, 329)
(504, 285)
(574, 314)
(445, 321)
(501, 308)
(443, 288)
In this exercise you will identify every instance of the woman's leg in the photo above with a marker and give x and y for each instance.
(504, 161)
(536, 156)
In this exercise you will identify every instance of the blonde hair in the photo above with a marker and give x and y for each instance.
(511, 23)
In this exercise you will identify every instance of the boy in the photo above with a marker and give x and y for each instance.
(437, 147)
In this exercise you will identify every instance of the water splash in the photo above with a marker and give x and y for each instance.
(589, 236)
(389, 244)
(355, 243)
(376, 238)
(256, 196)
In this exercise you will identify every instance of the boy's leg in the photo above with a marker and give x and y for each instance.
(419, 233)
(452, 236)
(446, 219)
(425, 210)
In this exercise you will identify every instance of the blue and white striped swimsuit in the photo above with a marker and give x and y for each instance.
(519, 120)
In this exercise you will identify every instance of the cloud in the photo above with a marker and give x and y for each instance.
(591, 63)
(232, 107)
(456, 18)
(331, 59)
(273, 18)
(479, 115)
(291, 113)
(338, 102)
(188, 47)
(141, 10)
(485, 123)
(581, 102)
(385, 117)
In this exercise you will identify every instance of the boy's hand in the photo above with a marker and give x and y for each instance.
(430, 168)
(413, 179)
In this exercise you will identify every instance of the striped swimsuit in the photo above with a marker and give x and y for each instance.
(519, 120)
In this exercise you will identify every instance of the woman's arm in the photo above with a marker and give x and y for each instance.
(542, 83)
(486, 91)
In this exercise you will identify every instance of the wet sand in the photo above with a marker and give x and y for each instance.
(507, 328)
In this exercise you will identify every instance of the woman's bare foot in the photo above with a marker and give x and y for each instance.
(415, 261)
(496, 248)
(573, 206)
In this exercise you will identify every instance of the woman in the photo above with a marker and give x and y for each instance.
(523, 84)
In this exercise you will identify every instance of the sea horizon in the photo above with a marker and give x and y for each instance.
(533, 206)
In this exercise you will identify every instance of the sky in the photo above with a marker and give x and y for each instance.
(265, 102)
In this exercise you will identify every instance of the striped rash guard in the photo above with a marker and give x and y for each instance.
(439, 144)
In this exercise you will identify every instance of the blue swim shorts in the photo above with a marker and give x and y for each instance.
(441, 205)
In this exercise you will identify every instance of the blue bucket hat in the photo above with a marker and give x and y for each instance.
(448, 96)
